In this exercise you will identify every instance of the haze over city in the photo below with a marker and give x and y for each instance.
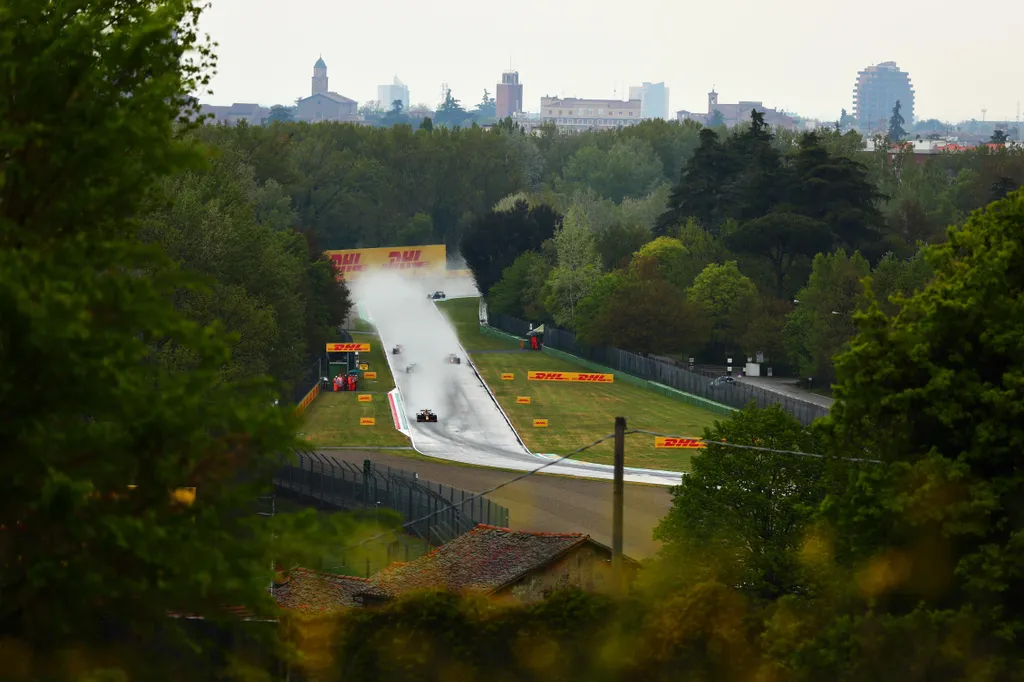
(802, 58)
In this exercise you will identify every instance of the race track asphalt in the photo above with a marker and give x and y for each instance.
(554, 504)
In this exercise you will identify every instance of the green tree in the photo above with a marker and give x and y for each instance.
(896, 131)
(895, 278)
(716, 119)
(628, 169)
(823, 321)
(727, 297)
(935, 393)
(84, 308)
(741, 516)
(494, 241)
(577, 270)
(780, 238)
(999, 137)
(519, 291)
(281, 114)
(670, 258)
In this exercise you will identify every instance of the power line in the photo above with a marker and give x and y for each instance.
(760, 448)
(586, 447)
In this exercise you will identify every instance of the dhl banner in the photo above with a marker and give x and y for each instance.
(348, 348)
(540, 423)
(369, 375)
(415, 260)
(309, 398)
(365, 398)
(523, 400)
(689, 443)
(571, 376)
(508, 376)
(363, 366)
(367, 421)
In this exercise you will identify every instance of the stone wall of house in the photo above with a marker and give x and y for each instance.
(586, 567)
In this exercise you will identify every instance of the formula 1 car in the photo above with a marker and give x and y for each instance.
(410, 367)
(437, 295)
(426, 416)
(397, 350)
(453, 359)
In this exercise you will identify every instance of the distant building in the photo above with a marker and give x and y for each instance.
(573, 114)
(253, 114)
(875, 94)
(323, 104)
(509, 96)
(387, 94)
(653, 99)
(734, 114)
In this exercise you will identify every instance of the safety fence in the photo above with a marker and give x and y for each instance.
(659, 371)
(330, 483)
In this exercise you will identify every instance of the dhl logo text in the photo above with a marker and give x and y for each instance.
(348, 262)
(664, 442)
(571, 376)
(404, 259)
(348, 347)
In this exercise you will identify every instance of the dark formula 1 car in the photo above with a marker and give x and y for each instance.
(453, 359)
(436, 296)
(397, 350)
(410, 367)
(426, 416)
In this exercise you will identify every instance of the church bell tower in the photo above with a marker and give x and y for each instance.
(320, 77)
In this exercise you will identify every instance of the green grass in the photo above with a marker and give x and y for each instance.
(377, 362)
(577, 414)
(332, 420)
(464, 314)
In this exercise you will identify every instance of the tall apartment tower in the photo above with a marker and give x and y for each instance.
(875, 93)
(320, 77)
(510, 95)
(653, 98)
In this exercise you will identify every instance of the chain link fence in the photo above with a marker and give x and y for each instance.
(337, 484)
(667, 373)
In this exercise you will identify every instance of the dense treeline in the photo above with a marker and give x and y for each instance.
(760, 245)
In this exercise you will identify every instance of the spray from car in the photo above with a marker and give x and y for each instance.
(403, 310)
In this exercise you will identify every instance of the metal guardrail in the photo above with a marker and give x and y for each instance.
(697, 383)
(341, 485)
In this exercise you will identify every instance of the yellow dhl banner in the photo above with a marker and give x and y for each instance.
(367, 421)
(522, 400)
(348, 348)
(571, 376)
(689, 443)
(310, 397)
(540, 423)
(508, 376)
(366, 398)
(369, 375)
(415, 260)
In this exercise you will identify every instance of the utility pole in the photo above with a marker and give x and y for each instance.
(618, 494)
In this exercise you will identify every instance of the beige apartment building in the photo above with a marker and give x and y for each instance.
(576, 114)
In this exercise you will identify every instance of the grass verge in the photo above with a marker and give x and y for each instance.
(333, 420)
(464, 314)
(577, 414)
(376, 362)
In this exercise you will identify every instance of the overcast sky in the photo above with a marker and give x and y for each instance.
(800, 55)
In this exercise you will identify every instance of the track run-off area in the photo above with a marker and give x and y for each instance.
(472, 427)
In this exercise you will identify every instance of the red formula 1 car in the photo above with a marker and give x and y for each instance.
(426, 416)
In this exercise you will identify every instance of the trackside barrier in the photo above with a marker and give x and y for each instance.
(694, 383)
(310, 397)
(336, 484)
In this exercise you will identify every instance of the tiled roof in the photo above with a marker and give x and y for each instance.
(316, 592)
(484, 559)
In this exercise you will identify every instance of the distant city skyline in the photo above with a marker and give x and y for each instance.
(792, 61)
